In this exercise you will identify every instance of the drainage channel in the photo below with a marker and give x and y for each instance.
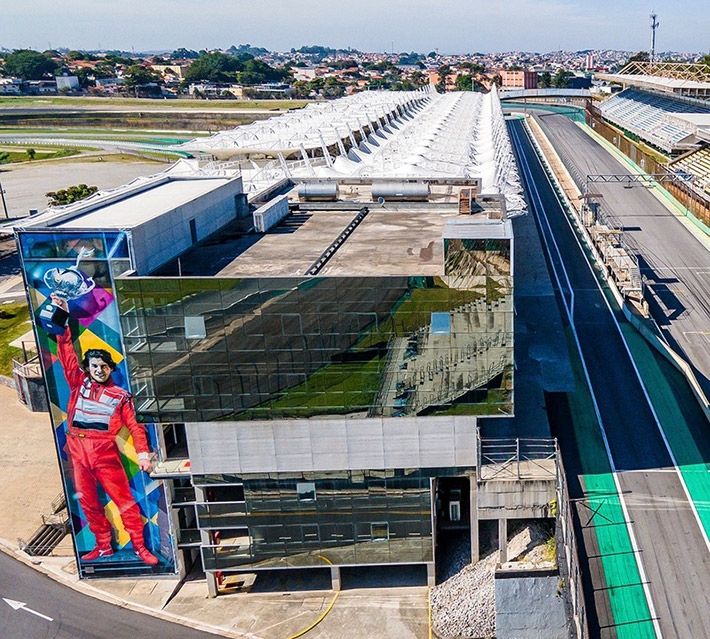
(337, 242)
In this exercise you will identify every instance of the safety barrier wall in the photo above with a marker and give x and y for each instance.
(568, 559)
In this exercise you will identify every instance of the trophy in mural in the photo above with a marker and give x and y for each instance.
(68, 284)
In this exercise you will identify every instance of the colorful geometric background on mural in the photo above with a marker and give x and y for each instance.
(119, 515)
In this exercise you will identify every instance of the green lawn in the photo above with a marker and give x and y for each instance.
(279, 105)
(415, 312)
(13, 323)
(335, 389)
(42, 154)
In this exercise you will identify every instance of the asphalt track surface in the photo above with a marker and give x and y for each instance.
(675, 264)
(673, 557)
(73, 615)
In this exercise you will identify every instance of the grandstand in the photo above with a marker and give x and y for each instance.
(667, 122)
(695, 165)
(687, 79)
(406, 135)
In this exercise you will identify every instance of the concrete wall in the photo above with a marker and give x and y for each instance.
(163, 238)
(528, 605)
(516, 499)
(332, 444)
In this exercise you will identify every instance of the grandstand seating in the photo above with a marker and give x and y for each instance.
(645, 114)
(696, 165)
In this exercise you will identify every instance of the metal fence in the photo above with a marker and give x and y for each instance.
(516, 458)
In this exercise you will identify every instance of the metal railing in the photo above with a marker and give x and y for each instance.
(29, 368)
(516, 457)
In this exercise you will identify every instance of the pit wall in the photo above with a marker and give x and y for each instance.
(529, 604)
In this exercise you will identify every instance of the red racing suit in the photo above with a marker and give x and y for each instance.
(95, 414)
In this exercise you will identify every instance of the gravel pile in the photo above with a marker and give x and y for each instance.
(463, 605)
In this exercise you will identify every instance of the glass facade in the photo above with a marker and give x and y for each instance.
(204, 349)
(347, 517)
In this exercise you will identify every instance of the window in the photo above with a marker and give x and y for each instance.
(195, 327)
(193, 231)
(380, 531)
(440, 323)
(306, 491)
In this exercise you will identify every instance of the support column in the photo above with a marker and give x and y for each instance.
(211, 584)
(503, 539)
(211, 577)
(475, 542)
(335, 578)
(431, 574)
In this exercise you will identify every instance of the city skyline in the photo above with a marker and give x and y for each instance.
(368, 26)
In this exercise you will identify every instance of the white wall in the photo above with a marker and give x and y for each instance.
(270, 213)
(331, 444)
(163, 238)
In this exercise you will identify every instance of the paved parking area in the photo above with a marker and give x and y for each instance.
(25, 184)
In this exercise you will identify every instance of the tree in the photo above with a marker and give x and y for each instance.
(316, 84)
(444, 71)
(545, 80)
(560, 79)
(214, 67)
(641, 56)
(28, 65)
(300, 89)
(464, 83)
(332, 88)
(184, 54)
(705, 60)
(31, 153)
(70, 194)
(136, 76)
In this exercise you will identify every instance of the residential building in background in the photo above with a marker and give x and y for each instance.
(518, 79)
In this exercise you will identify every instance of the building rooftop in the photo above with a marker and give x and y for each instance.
(138, 208)
(132, 204)
(363, 237)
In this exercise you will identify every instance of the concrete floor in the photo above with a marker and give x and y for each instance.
(25, 184)
(371, 605)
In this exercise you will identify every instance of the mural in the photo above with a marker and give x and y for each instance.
(119, 515)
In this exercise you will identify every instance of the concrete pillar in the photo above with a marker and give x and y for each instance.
(211, 584)
(503, 539)
(475, 542)
(431, 574)
(335, 578)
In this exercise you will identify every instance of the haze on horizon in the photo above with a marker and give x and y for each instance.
(452, 26)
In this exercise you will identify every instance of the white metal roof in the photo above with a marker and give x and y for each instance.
(423, 134)
(666, 84)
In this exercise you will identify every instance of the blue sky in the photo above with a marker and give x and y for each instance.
(454, 26)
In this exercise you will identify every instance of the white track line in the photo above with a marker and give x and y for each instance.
(629, 527)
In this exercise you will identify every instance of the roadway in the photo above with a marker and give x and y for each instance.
(675, 263)
(59, 612)
(672, 554)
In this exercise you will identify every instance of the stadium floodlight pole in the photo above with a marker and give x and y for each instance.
(654, 26)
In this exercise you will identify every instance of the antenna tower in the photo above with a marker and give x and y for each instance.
(654, 26)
